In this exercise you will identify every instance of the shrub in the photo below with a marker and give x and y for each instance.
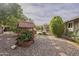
(57, 26)
(44, 33)
(25, 36)
(16, 30)
(7, 29)
(69, 33)
(39, 33)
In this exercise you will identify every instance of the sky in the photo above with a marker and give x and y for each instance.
(41, 13)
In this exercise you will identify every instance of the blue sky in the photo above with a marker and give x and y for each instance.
(41, 13)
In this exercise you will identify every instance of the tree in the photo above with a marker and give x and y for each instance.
(10, 14)
(40, 27)
(37, 27)
(57, 26)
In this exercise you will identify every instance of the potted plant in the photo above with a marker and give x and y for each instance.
(25, 39)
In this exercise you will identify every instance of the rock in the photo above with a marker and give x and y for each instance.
(8, 38)
(0, 39)
(13, 46)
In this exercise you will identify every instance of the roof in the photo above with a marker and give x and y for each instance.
(73, 19)
(26, 25)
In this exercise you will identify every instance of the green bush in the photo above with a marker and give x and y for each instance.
(16, 30)
(69, 33)
(25, 36)
(57, 26)
(8, 29)
(44, 33)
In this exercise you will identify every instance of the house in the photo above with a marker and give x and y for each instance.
(72, 25)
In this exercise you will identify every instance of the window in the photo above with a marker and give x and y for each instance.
(70, 25)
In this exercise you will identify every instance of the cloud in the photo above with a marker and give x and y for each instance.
(42, 12)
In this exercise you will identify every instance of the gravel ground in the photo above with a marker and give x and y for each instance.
(43, 46)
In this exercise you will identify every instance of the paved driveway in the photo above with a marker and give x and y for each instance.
(43, 46)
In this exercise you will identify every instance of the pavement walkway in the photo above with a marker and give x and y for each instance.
(43, 46)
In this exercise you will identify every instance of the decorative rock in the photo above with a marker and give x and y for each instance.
(13, 46)
(0, 39)
(8, 38)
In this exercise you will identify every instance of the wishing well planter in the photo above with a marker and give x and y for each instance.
(26, 35)
(24, 43)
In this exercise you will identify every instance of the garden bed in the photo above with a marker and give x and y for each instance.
(71, 39)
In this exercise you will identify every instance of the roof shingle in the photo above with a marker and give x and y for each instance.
(26, 25)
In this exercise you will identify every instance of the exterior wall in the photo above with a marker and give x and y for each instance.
(65, 27)
(72, 26)
(76, 25)
(76, 29)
